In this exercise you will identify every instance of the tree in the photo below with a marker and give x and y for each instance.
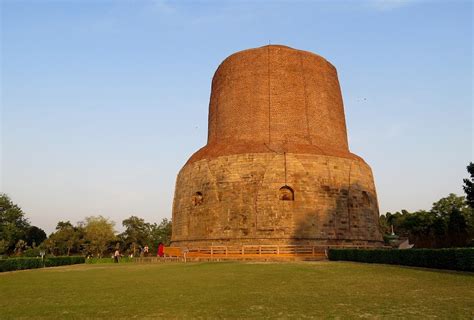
(66, 239)
(450, 222)
(137, 233)
(35, 236)
(448, 208)
(64, 225)
(397, 221)
(384, 224)
(469, 186)
(20, 246)
(457, 229)
(161, 233)
(13, 224)
(98, 234)
(49, 245)
(445, 206)
(439, 231)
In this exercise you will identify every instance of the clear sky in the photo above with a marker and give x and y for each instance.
(104, 101)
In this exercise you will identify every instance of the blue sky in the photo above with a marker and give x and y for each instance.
(104, 101)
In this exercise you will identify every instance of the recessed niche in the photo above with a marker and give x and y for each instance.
(286, 194)
(197, 199)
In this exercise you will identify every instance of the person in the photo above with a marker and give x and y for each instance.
(160, 252)
(116, 256)
(145, 250)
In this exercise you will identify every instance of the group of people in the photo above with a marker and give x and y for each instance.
(143, 252)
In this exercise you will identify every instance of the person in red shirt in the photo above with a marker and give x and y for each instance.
(160, 252)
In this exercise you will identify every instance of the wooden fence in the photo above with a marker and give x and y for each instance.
(245, 252)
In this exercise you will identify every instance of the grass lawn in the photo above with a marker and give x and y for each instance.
(236, 290)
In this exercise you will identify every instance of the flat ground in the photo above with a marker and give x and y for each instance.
(236, 290)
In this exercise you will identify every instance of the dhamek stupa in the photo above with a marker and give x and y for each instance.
(277, 167)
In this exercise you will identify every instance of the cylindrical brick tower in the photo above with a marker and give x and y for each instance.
(276, 168)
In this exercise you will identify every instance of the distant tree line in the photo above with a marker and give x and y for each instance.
(94, 236)
(449, 223)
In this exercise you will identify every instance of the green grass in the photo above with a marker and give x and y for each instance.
(236, 290)
(107, 260)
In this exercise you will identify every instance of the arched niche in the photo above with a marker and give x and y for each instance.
(197, 198)
(286, 194)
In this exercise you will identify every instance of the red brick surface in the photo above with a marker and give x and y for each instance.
(275, 98)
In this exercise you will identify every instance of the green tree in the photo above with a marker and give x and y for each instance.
(469, 185)
(137, 233)
(64, 225)
(439, 233)
(35, 236)
(161, 233)
(397, 221)
(49, 245)
(65, 239)
(20, 246)
(450, 222)
(457, 229)
(13, 224)
(421, 228)
(98, 234)
(385, 226)
(445, 206)
(453, 204)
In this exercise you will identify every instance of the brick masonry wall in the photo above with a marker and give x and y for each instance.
(334, 201)
(276, 118)
(275, 96)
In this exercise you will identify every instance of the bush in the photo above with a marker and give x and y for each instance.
(20, 264)
(107, 260)
(31, 252)
(33, 263)
(452, 258)
(63, 261)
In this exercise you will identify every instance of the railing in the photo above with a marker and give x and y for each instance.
(262, 251)
(250, 252)
(172, 251)
(265, 250)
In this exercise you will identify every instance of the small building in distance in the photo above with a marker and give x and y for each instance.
(276, 169)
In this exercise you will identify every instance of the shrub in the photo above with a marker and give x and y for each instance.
(31, 252)
(452, 258)
(20, 264)
(107, 260)
(63, 261)
(33, 263)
